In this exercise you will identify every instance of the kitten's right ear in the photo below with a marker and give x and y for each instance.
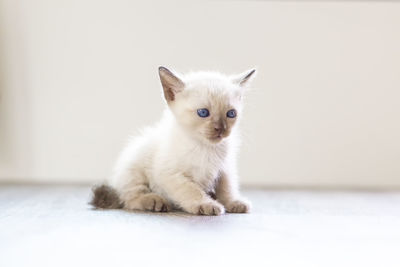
(171, 83)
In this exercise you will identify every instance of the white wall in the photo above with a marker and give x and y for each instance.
(77, 77)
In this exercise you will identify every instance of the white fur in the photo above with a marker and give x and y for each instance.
(174, 163)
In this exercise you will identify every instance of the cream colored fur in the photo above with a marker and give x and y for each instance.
(184, 158)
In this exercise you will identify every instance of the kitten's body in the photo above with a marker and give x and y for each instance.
(182, 160)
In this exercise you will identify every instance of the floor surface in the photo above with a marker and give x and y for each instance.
(54, 226)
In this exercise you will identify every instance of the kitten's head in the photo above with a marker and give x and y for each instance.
(206, 104)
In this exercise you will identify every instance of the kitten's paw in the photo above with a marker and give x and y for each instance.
(208, 208)
(154, 202)
(238, 206)
(151, 202)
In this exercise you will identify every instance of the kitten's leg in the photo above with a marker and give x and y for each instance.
(136, 195)
(190, 196)
(227, 193)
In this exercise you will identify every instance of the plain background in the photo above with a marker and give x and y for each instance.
(77, 77)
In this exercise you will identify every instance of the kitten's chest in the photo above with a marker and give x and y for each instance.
(204, 165)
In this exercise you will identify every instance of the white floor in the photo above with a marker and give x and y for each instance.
(53, 226)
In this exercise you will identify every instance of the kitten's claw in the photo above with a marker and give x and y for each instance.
(238, 206)
(209, 208)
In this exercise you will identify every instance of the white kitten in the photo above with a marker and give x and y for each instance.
(187, 161)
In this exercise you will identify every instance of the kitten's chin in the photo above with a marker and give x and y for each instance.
(216, 139)
(207, 140)
(210, 139)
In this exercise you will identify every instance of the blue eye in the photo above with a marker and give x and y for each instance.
(203, 112)
(231, 113)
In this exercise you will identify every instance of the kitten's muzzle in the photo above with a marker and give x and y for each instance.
(219, 130)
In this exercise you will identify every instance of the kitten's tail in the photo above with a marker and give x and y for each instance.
(105, 197)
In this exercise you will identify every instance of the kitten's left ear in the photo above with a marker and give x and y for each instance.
(245, 78)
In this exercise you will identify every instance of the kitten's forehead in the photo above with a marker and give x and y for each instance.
(211, 80)
(211, 88)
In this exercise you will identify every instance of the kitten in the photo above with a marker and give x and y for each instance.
(187, 161)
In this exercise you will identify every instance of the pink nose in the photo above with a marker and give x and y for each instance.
(219, 128)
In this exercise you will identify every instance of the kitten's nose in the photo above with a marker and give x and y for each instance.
(219, 128)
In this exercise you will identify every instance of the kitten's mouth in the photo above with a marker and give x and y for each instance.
(217, 138)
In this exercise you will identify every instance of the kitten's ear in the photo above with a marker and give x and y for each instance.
(245, 78)
(171, 83)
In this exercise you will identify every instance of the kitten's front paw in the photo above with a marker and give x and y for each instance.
(238, 206)
(154, 202)
(208, 208)
(150, 202)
